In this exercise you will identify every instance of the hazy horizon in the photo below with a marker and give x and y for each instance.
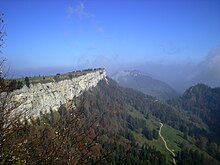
(177, 42)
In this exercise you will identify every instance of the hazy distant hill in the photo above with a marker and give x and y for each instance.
(143, 83)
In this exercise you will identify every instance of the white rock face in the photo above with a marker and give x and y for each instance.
(43, 97)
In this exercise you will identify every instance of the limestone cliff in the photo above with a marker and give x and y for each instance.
(43, 97)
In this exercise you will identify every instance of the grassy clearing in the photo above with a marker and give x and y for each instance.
(151, 123)
(173, 137)
(157, 143)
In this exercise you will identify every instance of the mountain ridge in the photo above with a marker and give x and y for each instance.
(202, 101)
(51, 95)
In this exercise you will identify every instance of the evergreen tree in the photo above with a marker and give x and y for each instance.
(27, 82)
(155, 134)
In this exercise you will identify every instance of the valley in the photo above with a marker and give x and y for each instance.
(128, 118)
(119, 82)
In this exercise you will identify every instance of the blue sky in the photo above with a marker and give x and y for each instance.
(74, 33)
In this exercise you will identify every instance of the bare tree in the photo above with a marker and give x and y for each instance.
(10, 123)
(2, 30)
(2, 34)
(68, 136)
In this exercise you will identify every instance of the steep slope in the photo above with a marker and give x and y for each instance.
(204, 102)
(43, 95)
(128, 121)
(135, 116)
(136, 80)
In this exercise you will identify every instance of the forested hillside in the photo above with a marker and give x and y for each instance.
(136, 116)
(110, 125)
(204, 103)
(59, 105)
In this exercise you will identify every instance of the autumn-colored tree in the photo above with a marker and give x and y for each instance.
(65, 136)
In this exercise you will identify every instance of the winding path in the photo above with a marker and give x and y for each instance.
(165, 143)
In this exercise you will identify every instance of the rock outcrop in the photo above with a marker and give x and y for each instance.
(43, 97)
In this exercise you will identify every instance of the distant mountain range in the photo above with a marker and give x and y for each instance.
(145, 84)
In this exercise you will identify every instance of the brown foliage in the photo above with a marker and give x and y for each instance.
(68, 136)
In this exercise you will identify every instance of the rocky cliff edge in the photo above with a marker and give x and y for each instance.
(43, 97)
